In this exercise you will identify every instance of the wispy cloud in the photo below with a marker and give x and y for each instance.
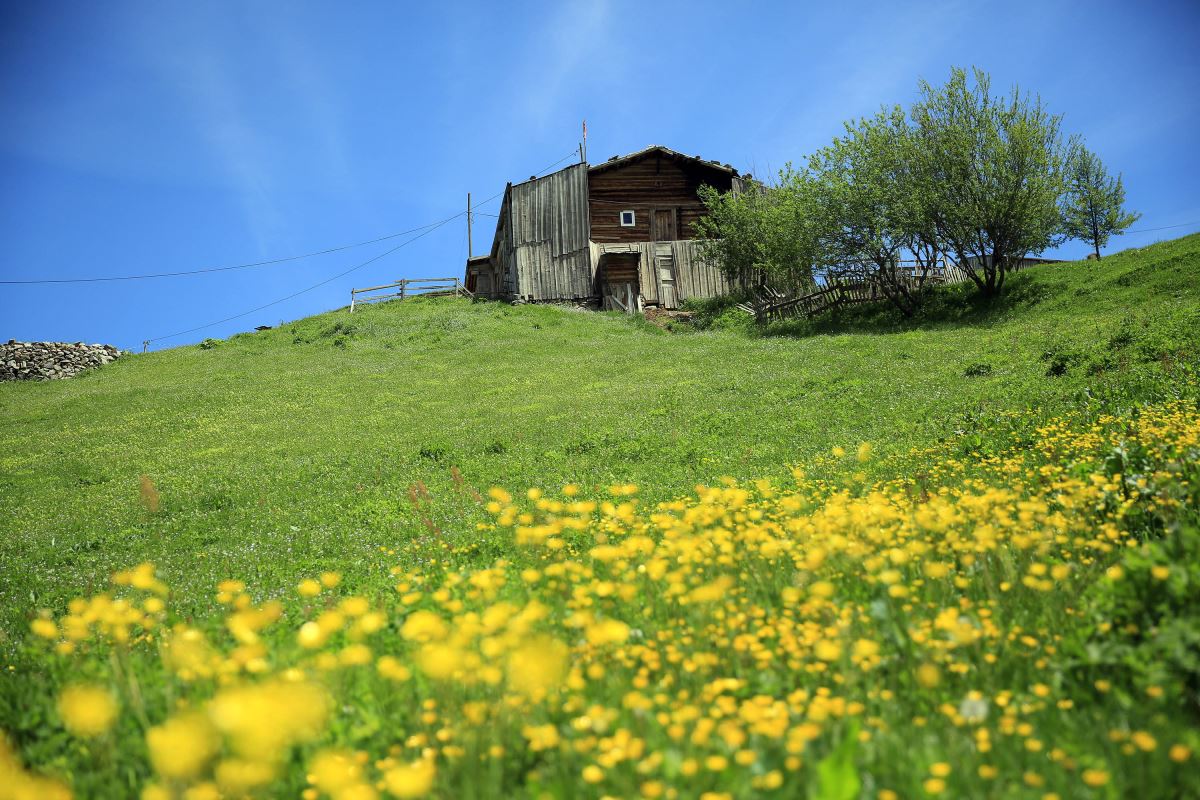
(195, 64)
(575, 37)
(854, 75)
(247, 142)
(316, 99)
(238, 144)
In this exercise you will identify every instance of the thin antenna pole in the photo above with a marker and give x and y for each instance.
(583, 146)
(470, 250)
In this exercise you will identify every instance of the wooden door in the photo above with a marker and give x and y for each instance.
(664, 266)
(662, 225)
(620, 297)
(619, 287)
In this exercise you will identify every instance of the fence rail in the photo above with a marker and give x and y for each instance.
(769, 304)
(408, 288)
(768, 307)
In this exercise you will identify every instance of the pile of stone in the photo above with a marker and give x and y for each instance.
(42, 361)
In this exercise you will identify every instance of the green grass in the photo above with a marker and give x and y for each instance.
(365, 443)
(281, 452)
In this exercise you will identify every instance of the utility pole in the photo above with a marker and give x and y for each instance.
(470, 250)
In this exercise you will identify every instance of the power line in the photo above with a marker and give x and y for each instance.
(286, 259)
(426, 230)
(255, 264)
(372, 260)
(1163, 228)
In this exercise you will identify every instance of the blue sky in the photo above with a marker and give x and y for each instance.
(144, 137)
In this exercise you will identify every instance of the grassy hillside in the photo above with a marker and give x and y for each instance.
(306, 439)
(364, 444)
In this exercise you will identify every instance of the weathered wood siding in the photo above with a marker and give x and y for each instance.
(656, 181)
(549, 237)
(693, 277)
(551, 231)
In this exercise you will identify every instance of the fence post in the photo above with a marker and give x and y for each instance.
(351, 301)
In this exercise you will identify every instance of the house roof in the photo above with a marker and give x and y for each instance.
(617, 161)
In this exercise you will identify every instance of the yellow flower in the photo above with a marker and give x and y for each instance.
(828, 650)
(410, 780)
(423, 626)
(1179, 753)
(355, 655)
(391, 668)
(182, 746)
(330, 579)
(239, 777)
(609, 631)
(334, 770)
(822, 589)
(202, 791)
(928, 676)
(440, 661)
(1094, 777)
(262, 720)
(1144, 741)
(593, 774)
(87, 710)
(541, 737)
(934, 786)
(308, 588)
(537, 666)
(156, 791)
(355, 606)
(44, 628)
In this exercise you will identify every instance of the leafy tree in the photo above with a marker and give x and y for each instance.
(1093, 206)
(871, 210)
(992, 170)
(762, 234)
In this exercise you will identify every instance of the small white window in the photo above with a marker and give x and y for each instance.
(627, 219)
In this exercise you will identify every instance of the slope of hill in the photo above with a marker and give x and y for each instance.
(358, 443)
(305, 439)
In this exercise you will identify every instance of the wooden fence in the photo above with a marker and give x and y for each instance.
(408, 287)
(769, 305)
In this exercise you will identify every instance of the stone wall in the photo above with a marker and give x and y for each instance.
(41, 361)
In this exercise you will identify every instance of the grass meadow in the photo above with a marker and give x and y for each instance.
(455, 550)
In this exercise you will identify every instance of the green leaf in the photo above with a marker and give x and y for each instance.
(837, 777)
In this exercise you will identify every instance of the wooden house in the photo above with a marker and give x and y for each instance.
(619, 235)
